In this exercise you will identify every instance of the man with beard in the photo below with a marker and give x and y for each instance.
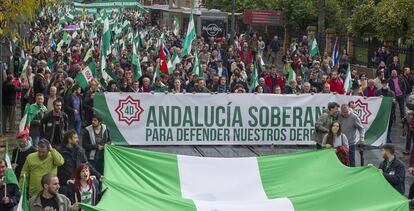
(73, 155)
(392, 168)
(20, 153)
(45, 160)
(35, 113)
(350, 125)
(39, 82)
(335, 84)
(54, 124)
(94, 138)
(11, 199)
(49, 199)
(73, 108)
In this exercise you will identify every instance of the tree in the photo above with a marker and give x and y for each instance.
(18, 11)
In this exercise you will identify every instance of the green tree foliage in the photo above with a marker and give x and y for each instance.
(384, 19)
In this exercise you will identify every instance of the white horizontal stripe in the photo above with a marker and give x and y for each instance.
(220, 179)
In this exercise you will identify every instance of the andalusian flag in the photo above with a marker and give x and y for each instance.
(157, 73)
(189, 37)
(105, 51)
(89, 59)
(23, 204)
(304, 181)
(176, 24)
(197, 67)
(254, 80)
(348, 79)
(135, 62)
(175, 59)
(9, 177)
(84, 77)
(314, 50)
(291, 72)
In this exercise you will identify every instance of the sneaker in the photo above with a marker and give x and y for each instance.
(406, 153)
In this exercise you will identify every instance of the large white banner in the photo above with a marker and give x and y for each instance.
(229, 119)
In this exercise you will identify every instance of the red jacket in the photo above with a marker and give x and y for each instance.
(279, 81)
(249, 57)
(336, 86)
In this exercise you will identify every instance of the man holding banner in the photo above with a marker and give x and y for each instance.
(323, 123)
(350, 125)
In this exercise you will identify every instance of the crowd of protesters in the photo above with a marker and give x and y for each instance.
(62, 150)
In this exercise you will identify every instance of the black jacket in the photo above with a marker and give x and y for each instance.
(47, 127)
(9, 93)
(70, 110)
(401, 83)
(14, 195)
(73, 158)
(394, 174)
(88, 106)
(39, 84)
(19, 158)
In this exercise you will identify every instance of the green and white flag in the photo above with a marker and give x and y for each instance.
(291, 72)
(175, 59)
(23, 203)
(69, 17)
(90, 61)
(105, 51)
(254, 80)
(348, 79)
(146, 180)
(66, 39)
(136, 62)
(197, 67)
(314, 49)
(9, 176)
(157, 73)
(106, 38)
(189, 37)
(176, 24)
(84, 77)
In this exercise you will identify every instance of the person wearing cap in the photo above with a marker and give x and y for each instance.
(323, 123)
(317, 71)
(386, 92)
(22, 151)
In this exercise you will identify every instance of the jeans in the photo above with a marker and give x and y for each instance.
(76, 126)
(400, 100)
(9, 118)
(352, 155)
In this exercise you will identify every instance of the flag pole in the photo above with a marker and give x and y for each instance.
(4, 177)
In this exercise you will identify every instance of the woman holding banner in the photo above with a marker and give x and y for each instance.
(336, 139)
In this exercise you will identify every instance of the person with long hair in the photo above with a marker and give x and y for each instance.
(85, 188)
(336, 139)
